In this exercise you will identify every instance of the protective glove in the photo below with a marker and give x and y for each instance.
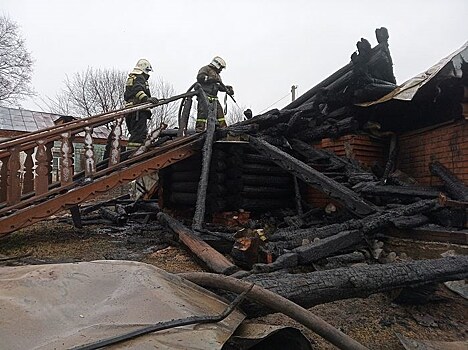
(153, 100)
(229, 90)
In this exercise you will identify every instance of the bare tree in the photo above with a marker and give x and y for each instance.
(235, 114)
(91, 92)
(168, 113)
(15, 64)
(96, 91)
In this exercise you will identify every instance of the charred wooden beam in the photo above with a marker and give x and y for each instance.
(327, 246)
(294, 238)
(96, 206)
(337, 261)
(335, 190)
(313, 154)
(312, 252)
(76, 216)
(400, 191)
(432, 234)
(379, 54)
(330, 130)
(309, 289)
(214, 260)
(404, 222)
(116, 218)
(455, 188)
(207, 151)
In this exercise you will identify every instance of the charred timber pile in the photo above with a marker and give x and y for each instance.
(312, 244)
(327, 109)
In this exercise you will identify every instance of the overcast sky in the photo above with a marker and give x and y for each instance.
(268, 45)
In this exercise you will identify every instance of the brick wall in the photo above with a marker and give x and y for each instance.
(447, 143)
(362, 148)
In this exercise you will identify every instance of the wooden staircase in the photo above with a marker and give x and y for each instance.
(28, 193)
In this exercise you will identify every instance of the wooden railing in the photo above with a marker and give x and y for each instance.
(26, 179)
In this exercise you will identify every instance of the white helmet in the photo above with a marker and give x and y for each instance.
(218, 63)
(142, 66)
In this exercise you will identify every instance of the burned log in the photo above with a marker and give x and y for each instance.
(399, 191)
(214, 260)
(378, 56)
(207, 150)
(337, 261)
(113, 216)
(90, 208)
(333, 189)
(330, 130)
(309, 289)
(455, 188)
(327, 246)
(404, 222)
(294, 238)
(334, 162)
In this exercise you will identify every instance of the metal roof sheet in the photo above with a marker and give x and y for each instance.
(449, 66)
(24, 120)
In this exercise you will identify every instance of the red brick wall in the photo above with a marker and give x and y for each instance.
(363, 148)
(447, 143)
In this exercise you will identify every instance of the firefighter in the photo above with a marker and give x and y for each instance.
(137, 91)
(210, 81)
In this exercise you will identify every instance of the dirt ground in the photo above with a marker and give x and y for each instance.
(373, 321)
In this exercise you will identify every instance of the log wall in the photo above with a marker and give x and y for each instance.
(446, 143)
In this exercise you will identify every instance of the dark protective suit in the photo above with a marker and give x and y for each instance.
(137, 91)
(210, 80)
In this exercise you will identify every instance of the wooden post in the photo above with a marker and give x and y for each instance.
(41, 181)
(3, 179)
(90, 162)
(66, 160)
(184, 117)
(28, 178)
(149, 140)
(115, 145)
(13, 180)
(207, 150)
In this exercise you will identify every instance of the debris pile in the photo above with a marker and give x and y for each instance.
(247, 189)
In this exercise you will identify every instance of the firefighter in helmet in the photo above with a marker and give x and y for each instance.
(210, 81)
(137, 91)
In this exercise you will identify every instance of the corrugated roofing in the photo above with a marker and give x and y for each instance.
(24, 120)
(449, 66)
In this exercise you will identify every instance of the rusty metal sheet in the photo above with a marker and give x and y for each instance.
(60, 306)
(449, 66)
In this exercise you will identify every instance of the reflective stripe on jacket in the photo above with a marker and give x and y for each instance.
(136, 89)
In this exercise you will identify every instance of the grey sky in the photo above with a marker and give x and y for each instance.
(268, 45)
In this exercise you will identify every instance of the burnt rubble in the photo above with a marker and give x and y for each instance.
(246, 190)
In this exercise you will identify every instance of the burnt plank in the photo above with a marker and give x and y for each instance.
(352, 201)
(214, 260)
(327, 246)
